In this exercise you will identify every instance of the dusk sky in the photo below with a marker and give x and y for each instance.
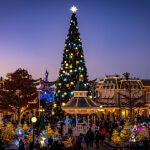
(115, 36)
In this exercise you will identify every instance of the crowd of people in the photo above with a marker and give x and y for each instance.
(92, 138)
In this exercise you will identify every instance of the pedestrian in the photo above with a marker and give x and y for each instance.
(21, 145)
(97, 138)
(89, 137)
(102, 135)
(79, 141)
(86, 139)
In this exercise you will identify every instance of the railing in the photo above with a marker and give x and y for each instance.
(76, 130)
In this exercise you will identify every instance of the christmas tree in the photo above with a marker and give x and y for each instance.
(73, 64)
(116, 138)
(43, 138)
(49, 131)
(125, 133)
(8, 133)
(56, 136)
(69, 142)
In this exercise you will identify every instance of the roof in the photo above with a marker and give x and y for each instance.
(80, 105)
(146, 82)
(80, 102)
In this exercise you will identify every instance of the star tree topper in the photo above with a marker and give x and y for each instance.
(73, 9)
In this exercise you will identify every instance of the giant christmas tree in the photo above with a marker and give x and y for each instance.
(73, 64)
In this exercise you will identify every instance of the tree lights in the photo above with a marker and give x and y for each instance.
(73, 65)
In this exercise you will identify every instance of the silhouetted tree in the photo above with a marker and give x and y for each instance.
(18, 90)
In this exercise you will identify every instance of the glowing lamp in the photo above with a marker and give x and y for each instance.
(65, 93)
(63, 104)
(33, 119)
(81, 75)
(90, 96)
(71, 83)
(55, 105)
(53, 112)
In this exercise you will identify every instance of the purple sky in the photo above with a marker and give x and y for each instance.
(115, 36)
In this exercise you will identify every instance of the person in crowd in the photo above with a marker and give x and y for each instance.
(102, 136)
(57, 146)
(21, 145)
(97, 138)
(78, 142)
(90, 137)
(86, 139)
(50, 141)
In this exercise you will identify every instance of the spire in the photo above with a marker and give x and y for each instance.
(46, 76)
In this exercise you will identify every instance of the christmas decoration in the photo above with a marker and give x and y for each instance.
(142, 134)
(8, 133)
(72, 66)
(43, 139)
(116, 138)
(49, 131)
(29, 139)
(133, 134)
(56, 136)
(19, 131)
(69, 141)
(125, 133)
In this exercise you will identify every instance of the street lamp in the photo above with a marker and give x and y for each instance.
(33, 120)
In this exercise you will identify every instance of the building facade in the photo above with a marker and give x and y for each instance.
(116, 95)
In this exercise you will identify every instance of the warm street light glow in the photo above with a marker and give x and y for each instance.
(63, 104)
(53, 112)
(55, 105)
(33, 119)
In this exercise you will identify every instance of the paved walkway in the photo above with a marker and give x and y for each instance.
(13, 147)
(94, 147)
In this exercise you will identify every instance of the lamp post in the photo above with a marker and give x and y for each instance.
(33, 120)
